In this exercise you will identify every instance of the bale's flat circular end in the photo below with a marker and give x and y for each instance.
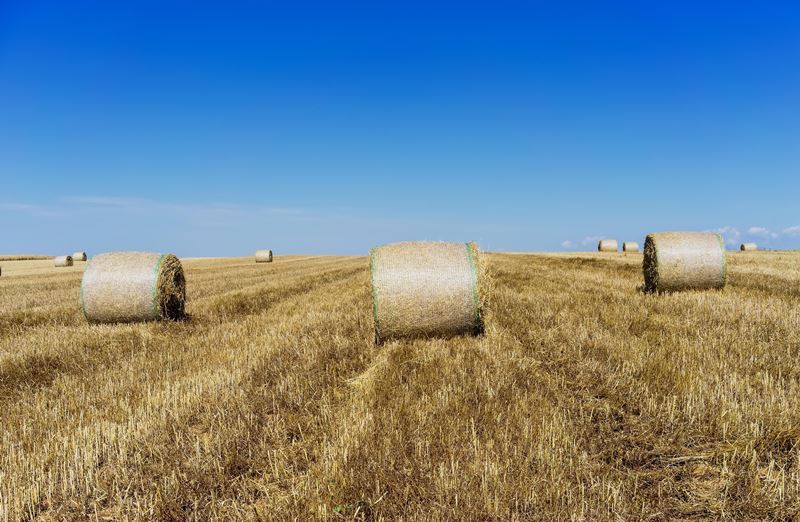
(79, 256)
(120, 287)
(630, 247)
(62, 261)
(684, 261)
(748, 247)
(607, 245)
(263, 256)
(426, 289)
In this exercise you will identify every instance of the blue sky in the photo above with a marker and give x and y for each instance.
(330, 128)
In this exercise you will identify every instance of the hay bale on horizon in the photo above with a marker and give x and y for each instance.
(684, 261)
(61, 261)
(427, 289)
(607, 245)
(121, 287)
(748, 247)
(79, 256)
(263, 256)
(630, 246)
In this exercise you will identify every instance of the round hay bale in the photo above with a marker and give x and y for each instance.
(121, 287)
(684, 261)
(79, 256)
(748, 247)
(63, 261)
(630, 246)
(426, 289)
(607, 245)
(263, 256)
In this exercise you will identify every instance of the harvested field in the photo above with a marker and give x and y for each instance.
(24, 258)
(586, 399)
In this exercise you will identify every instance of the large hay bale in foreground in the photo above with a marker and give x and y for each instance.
(607, 245)
(62, 261)
(79, 256)
(121, 287)
(426, 289)
(748, 247)
(263, 256)
(684, 261)
(630, 246)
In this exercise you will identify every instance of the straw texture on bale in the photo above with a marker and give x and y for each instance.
(607, 245)
(684, 261)
(121, 287)
(263, 256)
(63, 261)
(79, 256)
(630, 246)
(427, 289)
(748, 247)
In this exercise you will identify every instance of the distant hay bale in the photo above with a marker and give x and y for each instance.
(121, 287)
(79, 256)
(748, 247)
(630, 246)
(684, 261)
(426, 289)
(63, 261)
(263, 256)
(607, 245)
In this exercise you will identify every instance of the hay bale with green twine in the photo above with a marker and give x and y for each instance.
(123, 287)
(748, 247)
(684, 261)
(263, 256)
(79, 256)
(630, 247)
(426, 289)
(607, 245)
(62, 261)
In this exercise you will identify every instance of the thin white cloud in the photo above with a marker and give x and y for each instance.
(591, 240)
(206, 209)
(730, 234)
(567, 244)
(762, 232)
(31, 209)
(792, 231)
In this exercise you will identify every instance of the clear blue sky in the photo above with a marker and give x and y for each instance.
(330, 128)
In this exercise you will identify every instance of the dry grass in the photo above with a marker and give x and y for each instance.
(585, 400)
(24, 258)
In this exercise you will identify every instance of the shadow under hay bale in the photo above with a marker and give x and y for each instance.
(121, 287)
(263, 256)
(748, 247)
(427, 289)
(630, 247)
(62, 261)
(79, 256)
(684, 261)
(607, 245)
